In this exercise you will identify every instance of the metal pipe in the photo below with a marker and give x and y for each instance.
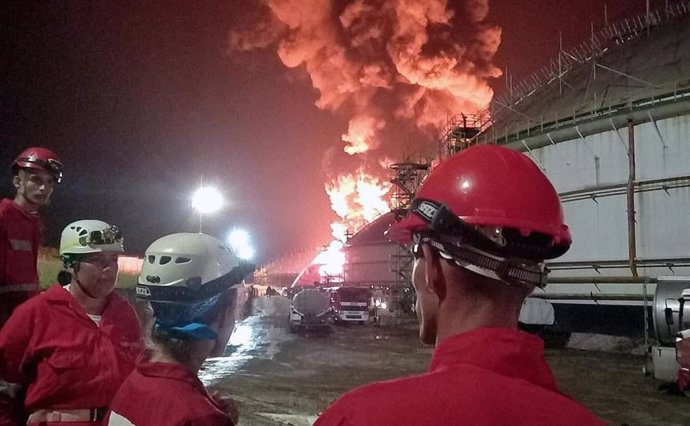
(619, 189)
(632, 241)
(600, 280)
(589, 296)
(646, 317)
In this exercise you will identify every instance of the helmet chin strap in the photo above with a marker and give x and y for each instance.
(80, 285)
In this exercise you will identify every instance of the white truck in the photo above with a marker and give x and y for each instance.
(671, 314)
(311, 310)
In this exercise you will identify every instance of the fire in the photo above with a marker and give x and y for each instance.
(358, 198)
(331, 262)
(379, 62)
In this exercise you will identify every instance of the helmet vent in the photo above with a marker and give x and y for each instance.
(182, 260)
(79, 230)
(153, 279)
(152, 259)
(165, 259)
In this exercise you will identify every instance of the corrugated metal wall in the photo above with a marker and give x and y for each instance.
(591, 175)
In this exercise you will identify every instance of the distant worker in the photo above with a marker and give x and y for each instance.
(35, 172)
(72, 346)
(191, 283)
(479, 229)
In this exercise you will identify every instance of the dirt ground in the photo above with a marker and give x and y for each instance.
(278, 378)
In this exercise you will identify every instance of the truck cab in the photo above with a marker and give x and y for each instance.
(351, 304)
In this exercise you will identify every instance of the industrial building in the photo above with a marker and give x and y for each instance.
(609, 124)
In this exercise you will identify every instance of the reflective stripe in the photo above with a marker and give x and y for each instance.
(20, 245)
(9, 389)
(78, 415)
(9, 288)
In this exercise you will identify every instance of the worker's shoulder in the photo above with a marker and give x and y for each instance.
(5, 203)
(35, 305)
(389, 391)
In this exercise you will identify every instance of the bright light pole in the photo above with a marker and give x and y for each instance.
(206, 200)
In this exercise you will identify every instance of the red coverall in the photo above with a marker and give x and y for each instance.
(158, 393)
(683, 358)
(489, 376)
(62, 357)
(20, 235)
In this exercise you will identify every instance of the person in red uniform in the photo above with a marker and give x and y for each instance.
(480, 227)
(35, 173)
(190, 281)
(71, 347)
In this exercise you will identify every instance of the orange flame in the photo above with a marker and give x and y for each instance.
(415, 61)
(358, 199)
(331, 262)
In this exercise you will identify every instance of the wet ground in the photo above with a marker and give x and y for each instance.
(279, 378)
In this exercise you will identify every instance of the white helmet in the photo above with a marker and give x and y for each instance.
(188, 267)
(89, 236)
(183, 276)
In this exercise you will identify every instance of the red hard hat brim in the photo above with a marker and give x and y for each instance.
(401, 231)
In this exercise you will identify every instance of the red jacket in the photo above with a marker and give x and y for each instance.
(684, 378)
(158, 393)
(488, 376)
(20, 236)
(63, 359)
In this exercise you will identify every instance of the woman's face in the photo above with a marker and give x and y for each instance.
(97, 273)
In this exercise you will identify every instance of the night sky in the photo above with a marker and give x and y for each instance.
(141, 99)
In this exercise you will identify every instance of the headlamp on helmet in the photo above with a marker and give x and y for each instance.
(85, 237)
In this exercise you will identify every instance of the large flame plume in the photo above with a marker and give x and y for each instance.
(357, 198)
(412, 62)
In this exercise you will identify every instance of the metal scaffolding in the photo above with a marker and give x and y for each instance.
(408, 177)
(460, 131)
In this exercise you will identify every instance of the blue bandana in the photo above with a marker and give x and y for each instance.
(191, 331)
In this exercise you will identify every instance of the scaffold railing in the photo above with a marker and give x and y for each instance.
(636, 99)
(503, 108)
(612, 35)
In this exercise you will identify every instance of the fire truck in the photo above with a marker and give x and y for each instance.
(352, 304)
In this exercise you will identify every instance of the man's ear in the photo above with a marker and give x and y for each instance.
(16, 181)
(434, 276)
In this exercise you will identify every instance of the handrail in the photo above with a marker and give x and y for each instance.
(613, 35)
(523, 129)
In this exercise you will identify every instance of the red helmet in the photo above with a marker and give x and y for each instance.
(489, 186)
(39, 158)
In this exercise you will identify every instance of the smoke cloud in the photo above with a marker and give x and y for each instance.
(413, 62)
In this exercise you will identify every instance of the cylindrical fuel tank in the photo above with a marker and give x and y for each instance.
(685, 309)
(666, 312)
(311, 302)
